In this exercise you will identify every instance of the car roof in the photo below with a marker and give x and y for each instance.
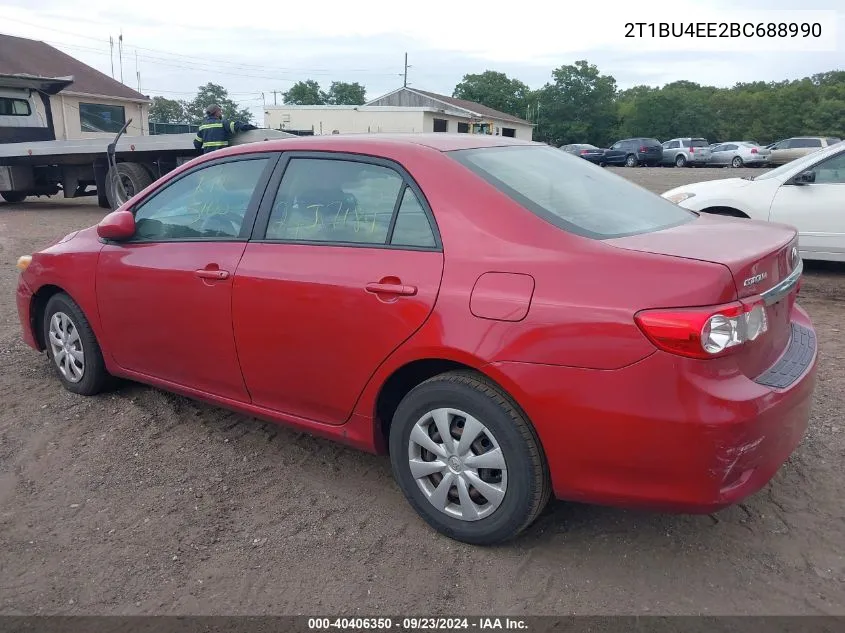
(441, 142)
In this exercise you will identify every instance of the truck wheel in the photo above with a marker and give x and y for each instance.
(135, 178)
(103, 200)
(13, 196)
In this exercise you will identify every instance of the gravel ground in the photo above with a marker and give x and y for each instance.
(143, 502)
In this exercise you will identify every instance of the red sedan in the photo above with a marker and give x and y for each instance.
(505, 320)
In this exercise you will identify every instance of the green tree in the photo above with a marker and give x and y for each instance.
(165, 110)
(343, 93)
(213, 93)
(305, 93)
(578, 107)
(495, 90)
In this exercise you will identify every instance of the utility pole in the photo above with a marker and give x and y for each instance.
(274, 97)
(120, 53)
(111, 54)
(405, 80)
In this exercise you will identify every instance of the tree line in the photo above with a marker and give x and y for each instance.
(163, 110)
(582, 105)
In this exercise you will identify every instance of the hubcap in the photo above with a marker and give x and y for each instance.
(66, 346)
(457, 464)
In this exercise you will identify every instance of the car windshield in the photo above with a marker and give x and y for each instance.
(571, 193)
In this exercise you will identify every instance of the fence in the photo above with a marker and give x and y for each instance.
(172, 128)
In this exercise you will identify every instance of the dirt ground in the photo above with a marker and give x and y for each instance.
(143, 502)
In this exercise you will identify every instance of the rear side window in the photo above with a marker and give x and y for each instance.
(805, 142)
(331, 200)
(833, 141)
(573, 195)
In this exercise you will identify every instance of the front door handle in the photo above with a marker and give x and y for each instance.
(205, 273)
(391, 289)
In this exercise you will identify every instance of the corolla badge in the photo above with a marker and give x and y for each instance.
(756, 279)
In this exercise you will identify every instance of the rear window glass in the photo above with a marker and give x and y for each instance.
(700, 142)
(571, 193)
(833, 141)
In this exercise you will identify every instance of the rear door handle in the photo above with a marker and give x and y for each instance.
(204, 273)
(391, 289)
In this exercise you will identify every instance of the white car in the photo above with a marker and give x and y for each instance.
(807, 193)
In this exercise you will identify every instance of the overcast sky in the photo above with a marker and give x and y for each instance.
(267, 45)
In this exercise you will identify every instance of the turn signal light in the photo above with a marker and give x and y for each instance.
(705, 332)
(24, 261)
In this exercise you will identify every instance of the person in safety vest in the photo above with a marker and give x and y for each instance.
(216, 132)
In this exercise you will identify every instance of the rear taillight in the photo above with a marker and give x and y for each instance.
(583, 151)
(753, 150)
(643, 149)
(692, 150)
(705, 332)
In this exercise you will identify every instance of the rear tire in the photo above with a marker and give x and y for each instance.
(482, 504)
(135, 178)
(103, 199)
(12, 197)
(72, 348)
(630, 161)
(680, 160)
(736, 162)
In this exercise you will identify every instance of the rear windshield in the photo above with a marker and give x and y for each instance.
(650, 141)
(699, 142)
(571, 193)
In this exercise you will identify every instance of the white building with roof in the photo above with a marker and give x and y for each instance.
(406, 110)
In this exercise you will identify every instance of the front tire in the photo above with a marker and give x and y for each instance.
(484, 489)
(72, 348)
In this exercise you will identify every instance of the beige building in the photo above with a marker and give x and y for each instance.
(404, 110)
(48, 95)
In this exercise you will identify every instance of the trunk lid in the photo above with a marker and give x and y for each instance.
(757, 253)
(760, 256)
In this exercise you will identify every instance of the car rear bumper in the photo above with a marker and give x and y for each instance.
(665, 433)
(23, 296)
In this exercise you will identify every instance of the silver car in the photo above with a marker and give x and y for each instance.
(739, 154)
(682, 152)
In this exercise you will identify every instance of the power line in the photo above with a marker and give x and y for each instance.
(205, 59)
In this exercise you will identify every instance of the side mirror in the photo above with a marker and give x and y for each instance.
(117, 226)
(804, 178)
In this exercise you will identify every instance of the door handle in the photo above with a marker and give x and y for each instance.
(205, 273)
(391, 289)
